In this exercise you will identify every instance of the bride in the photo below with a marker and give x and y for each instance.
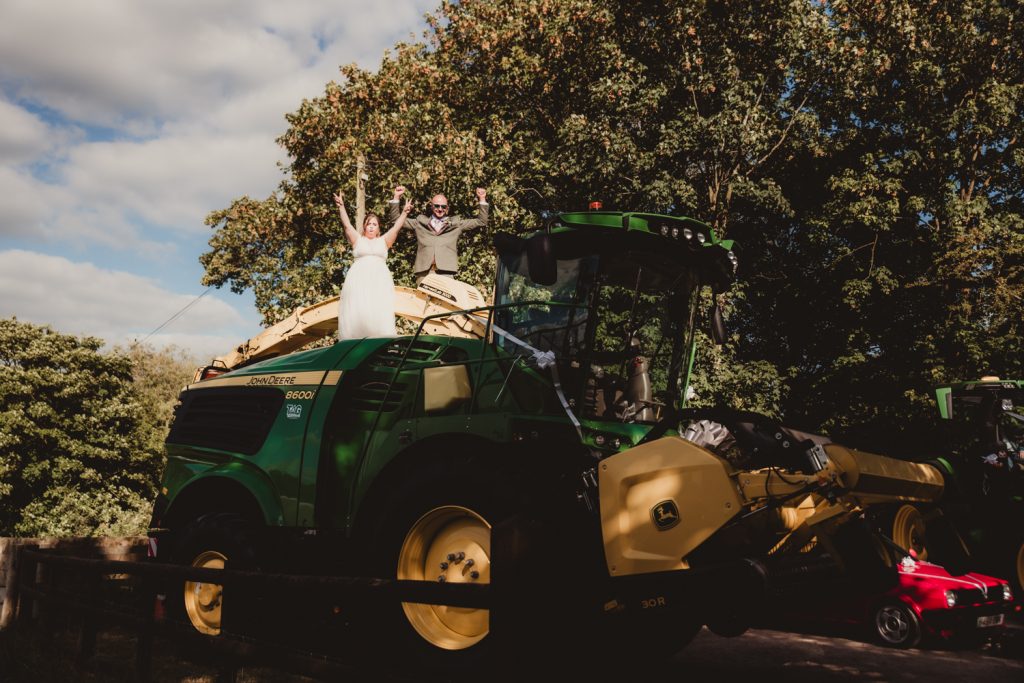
(367, 307)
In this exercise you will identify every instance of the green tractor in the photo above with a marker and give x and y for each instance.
(984, 498)
(556, 410)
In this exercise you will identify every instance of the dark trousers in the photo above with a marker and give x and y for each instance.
(433, 269)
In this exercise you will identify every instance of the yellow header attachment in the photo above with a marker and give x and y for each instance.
(661, 500)
(878, 479)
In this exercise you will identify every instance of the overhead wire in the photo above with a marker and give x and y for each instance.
(174, 317)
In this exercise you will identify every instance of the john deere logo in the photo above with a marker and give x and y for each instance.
(665, 515)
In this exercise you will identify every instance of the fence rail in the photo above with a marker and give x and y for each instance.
(46, 584)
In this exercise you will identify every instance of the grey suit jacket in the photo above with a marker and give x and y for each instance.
(440, 250)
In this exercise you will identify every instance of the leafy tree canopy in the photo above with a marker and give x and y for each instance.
(865, 153)
(80, 440)
(901, 265)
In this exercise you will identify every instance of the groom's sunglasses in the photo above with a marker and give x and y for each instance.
(440, 206)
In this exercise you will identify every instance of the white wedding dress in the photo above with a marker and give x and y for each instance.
(367, 306)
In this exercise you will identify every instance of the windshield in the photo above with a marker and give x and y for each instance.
(987, 419)
(618, 324)
(551, 318)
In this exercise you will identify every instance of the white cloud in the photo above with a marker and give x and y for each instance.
(123, 123)
(188, 97)
(23, 137)
(172, 182)
(108, 62)
(115, 62)
(119, 307)
(68, 216)
(23, 204)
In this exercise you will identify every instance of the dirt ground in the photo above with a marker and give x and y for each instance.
(821, 657)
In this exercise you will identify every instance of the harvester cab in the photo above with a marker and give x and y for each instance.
(992, 409)
(612, 301)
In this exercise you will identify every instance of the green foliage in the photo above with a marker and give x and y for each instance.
(902, 264)
(70, 511)
(547, 104)
(158, 376)
(864, 153)
(80, 443)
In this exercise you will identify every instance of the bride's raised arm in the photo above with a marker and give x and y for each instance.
(350, 232)
(392, 234)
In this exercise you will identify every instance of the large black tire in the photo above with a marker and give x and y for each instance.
(457, 503)
(216, 540)
(896, 625)
(447, 509)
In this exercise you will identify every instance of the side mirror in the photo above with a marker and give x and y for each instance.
(718, 333)
(541, 258)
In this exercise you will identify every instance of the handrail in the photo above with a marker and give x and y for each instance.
(419, 330)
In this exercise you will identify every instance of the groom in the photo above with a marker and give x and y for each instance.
(437, 235)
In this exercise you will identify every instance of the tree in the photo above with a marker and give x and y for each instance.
(864, 153)
(647, 106)
(158, 376)
(902, 266)
(79, 453)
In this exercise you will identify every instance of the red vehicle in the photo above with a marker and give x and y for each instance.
(927, 602)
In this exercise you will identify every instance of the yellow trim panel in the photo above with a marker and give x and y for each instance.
(292, 379)
(659, 501)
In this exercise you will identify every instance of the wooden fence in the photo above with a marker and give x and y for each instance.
(529, 607)
(45, 586)
(126, 548)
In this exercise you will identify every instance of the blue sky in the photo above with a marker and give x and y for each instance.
(123, 123)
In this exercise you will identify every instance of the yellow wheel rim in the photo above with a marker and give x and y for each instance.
(203, 600)
(450, 544)
(908, 530)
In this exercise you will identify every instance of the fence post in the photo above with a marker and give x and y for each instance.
(26, 576)
(146, 605)
(47, 573)
(509, 543)
(7, 610)
(89, 589)
(227, 668)
(522, 588)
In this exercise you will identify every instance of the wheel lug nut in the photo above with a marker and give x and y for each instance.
(444, 565)
(474, 574)
(460, 557)
(470, 562)
(451, 557)
(441, 579)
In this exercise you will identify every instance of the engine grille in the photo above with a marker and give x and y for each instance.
(970, 596)
(229, 419)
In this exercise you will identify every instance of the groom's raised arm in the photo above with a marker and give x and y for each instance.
(482, 212)
(394, 210)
